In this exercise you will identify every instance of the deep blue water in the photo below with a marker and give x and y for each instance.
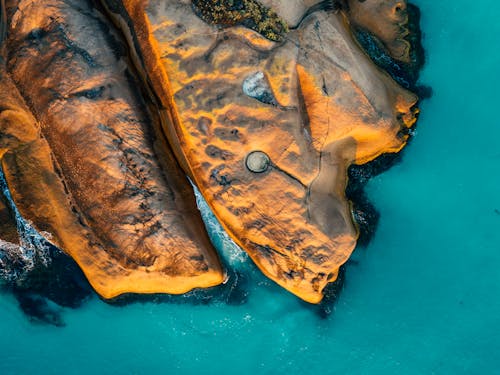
(423, 298)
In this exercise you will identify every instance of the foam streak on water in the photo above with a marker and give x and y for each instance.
(16, 261)
(231, 253)
(423, 298)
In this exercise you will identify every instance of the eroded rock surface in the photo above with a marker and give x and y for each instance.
(263, 104)
(267, 130)
(385, 19)
(84, 160)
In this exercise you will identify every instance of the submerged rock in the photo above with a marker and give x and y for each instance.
(38, 309)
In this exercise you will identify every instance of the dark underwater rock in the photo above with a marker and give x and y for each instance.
(38, 309)
(46, 289)
(61, 281)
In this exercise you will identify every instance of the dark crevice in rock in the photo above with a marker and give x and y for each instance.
(325, 5)
(3, 22)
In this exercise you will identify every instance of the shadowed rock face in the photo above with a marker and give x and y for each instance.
(267, 130)
(84, 159)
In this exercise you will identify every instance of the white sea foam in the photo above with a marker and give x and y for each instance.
(17, 261)
(232, 254)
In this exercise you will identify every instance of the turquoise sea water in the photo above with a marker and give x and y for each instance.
(423, 298)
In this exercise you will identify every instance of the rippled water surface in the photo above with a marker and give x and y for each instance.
(423, 298)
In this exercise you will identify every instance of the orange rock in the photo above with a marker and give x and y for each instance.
(387, 20)
(86, 161)
(267, 130)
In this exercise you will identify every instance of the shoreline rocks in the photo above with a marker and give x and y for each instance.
(324, 109)
(270, 129)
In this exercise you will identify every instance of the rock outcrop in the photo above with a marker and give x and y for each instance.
(106, 106)
(268, 129)
(385, 19)
(83, 159)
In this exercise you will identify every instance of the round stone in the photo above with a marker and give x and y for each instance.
(257, 161)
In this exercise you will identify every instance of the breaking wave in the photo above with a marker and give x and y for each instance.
(233, 255)
(33, 250)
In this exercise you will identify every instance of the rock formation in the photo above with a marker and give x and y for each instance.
(264, 105)
(83, 160)
(387, 20)
(268, 129)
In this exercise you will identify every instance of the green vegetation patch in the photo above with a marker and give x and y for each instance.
(248, 13)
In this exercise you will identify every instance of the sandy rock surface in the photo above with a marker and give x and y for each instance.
(267, 130)
(84, 160)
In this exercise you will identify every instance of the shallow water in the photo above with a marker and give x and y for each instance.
(423, 298)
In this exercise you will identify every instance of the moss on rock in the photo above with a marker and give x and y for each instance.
(248, 13)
